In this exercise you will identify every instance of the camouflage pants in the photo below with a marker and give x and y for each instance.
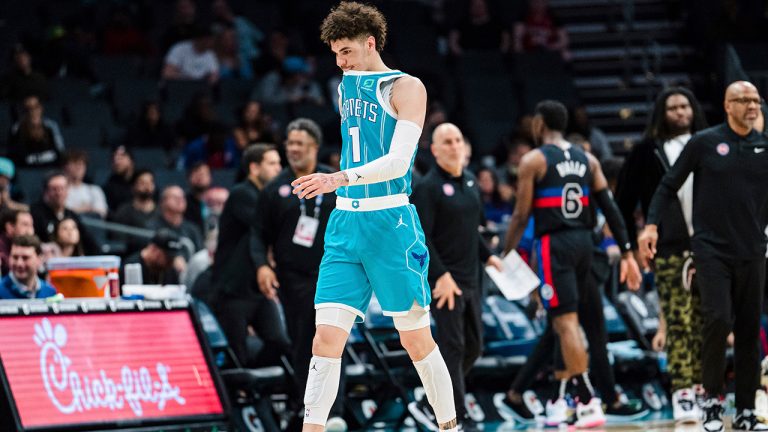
(681, 306)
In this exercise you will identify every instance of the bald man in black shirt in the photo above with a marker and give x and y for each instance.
(730, 212)
(450, 209)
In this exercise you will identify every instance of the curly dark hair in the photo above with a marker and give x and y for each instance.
(658, 129)
(354, 20)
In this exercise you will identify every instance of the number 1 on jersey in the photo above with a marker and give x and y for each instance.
(354, 132)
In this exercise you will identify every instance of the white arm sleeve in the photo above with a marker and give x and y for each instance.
(394, 164)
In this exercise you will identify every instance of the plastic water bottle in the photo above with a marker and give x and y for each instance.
(662, 359)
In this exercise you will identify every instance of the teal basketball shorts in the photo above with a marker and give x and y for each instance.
(374, 245)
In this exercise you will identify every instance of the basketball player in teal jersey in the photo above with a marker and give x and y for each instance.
(374, 241)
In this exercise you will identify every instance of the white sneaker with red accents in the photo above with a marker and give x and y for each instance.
(590, 415)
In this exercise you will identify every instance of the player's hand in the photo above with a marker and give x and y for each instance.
(310, 186)
(646, 243)
(659, 340)
(445, 291)
(495, 262)
(268, 283)
(629, 272)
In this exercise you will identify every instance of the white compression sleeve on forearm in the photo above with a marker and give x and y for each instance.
(394, 164)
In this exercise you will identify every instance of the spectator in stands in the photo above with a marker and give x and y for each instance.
(253, 126)
(231, 64)
(183, 25)
(293, 83)
(507, 174)
(35, 140)
(198, 119)
(141, 209)
(479, 28)
(276, 52)
(51, 210)
(22, 81)
(248, 36)
(214, 200)
(10, 195)
(67, 237)
(541, 30)
(199, 180)
(173, 205)
(82, 198)
(193, 59)
(22, 282)
(436, 115)
(580, 123)
(497, 209)
(122, 36)
(117, 189)
(217, 148)
(157, 259)
(151, 130)
(13, 223)
(200, 261)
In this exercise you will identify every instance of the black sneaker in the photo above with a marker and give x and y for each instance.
(712, 415)
(629, 411)
(422, 412)
(746, 420)
(511, 411)
(469, 425)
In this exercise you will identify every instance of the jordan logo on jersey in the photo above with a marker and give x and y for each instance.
(571, 167)
(401, 223)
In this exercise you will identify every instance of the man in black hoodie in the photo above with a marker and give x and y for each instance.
(676, 115)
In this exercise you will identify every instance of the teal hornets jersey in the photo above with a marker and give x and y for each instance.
(367, 126)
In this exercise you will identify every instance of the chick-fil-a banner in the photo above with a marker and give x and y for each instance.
(73, 369)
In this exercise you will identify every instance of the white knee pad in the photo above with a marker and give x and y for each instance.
(336, 317)
(415, 319)
(322, 386)
(438, 387)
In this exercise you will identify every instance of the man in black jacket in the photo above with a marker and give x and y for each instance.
(676, 115)
(730, 212)
(450, 209)
(236, 298)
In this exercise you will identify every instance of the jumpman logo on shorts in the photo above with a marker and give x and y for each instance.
(314, 367)
(401, 223)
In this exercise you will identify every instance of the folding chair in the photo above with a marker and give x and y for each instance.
(250, 390)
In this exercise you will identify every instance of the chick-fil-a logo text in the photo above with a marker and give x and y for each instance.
(70, 393)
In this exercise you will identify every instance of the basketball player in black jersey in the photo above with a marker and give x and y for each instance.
(558, 182)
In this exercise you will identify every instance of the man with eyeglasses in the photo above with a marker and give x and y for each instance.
(730, 212)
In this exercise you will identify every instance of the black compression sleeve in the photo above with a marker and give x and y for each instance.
(614, 219)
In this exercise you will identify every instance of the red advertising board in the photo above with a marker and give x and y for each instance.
(106, 368)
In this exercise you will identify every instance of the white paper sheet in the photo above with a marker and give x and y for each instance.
(517, 280)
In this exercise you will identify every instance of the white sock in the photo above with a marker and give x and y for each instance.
(437, 385)
(322, 386)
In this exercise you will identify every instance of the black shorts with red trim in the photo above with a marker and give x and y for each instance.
(564, 260)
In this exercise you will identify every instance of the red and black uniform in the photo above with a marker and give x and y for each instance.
(563, 221)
